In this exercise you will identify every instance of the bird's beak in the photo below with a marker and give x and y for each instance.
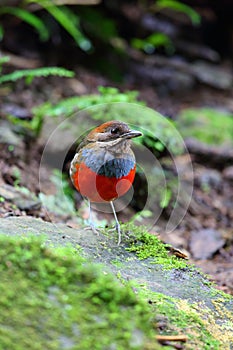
(131, 134)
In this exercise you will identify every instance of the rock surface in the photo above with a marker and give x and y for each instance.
(23, 200)
(205, 243)
(186, 286)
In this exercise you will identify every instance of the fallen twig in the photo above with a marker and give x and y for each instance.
(165, 338)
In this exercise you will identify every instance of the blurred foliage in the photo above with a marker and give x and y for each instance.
(27, 17)
(159, 133)
(30, 129)
(167, 196)
(71, 105)
(180, 7)
(30, 74)
(94, 28)
(77, 103)
(67, 106)
(61, 202)
(153, 41)
(85, 24)
(64, 15)
(98, 25)
(68, 19)
(207, 125)
(161, 40)
(3, 59)
(33, 126)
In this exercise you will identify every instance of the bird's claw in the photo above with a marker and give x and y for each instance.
(92, 227)
(117, 229)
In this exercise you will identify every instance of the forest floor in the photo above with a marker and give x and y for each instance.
(211, 210)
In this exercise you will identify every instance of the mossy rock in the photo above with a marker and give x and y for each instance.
(208, 125)
(50, 294)
(53, 299)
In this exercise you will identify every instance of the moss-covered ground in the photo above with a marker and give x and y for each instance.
(55, 300)
(177, 317)
(207, 125)
(52, 298)
(194, 320)
(146, 245)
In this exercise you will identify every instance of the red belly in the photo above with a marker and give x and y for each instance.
(100, 188)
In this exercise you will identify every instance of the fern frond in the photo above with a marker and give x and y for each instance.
(29, 74)
(29, 18)
(77, 103)
(180, 7)
(68, 20)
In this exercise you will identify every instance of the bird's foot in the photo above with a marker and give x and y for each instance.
(91, 226)
(117, 229)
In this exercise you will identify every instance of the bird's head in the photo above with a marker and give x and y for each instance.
(113, 132)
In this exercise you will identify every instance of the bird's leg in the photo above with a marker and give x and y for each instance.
(90, 219)
(118, 228)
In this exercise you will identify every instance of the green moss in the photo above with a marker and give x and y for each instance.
(176, 316)
(56, 300)
(148, 245)
(117, 262)
(199, 322)
(206, 125)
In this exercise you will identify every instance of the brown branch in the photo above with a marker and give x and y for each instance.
(20, 62)
(165, 338)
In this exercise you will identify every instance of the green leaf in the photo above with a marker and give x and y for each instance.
(166, 198)
(1, 32)
(29, 18)
(71, 104)
(99, 25)
(4, 59)
(153, 41)
(37, 72)
(68, 20)
(180, 7)
(159, 39)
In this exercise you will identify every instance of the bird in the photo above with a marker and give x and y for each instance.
(104, 166)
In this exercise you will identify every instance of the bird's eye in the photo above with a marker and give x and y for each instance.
(115, 131)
